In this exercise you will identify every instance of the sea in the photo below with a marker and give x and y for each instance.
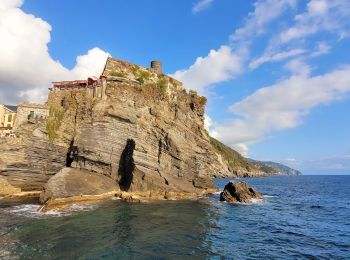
(300, 217)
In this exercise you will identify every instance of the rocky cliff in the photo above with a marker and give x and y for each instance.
(145, 133)
(139, 128)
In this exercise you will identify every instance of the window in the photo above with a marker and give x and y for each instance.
(9, 125)
(9, 118)
(31, 115)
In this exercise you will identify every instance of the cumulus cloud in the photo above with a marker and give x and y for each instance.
(219, 65)
(282, 105)
(26, 68)
(201, 5)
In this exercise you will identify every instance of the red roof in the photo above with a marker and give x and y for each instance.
(69, 83)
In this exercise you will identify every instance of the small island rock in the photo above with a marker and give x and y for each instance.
(236, 192)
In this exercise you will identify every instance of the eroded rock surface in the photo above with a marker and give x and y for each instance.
(70, 182)
(239, 192)
(6, 188)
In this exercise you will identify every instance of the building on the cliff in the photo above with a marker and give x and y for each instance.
(118, 71)
(30, 112)
(7, 119)
(92, 84)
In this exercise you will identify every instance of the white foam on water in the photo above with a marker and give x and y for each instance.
(33, 210)
(257, 201)
(269, 196)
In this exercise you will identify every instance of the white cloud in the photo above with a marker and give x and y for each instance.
(291, 160)
(322, 48)
(321, 15)
(208, 122)
(219, 65)
(298, 67)
(264, 12)
(226, 63)
(334, 163)
(26, 67)
(201, 5)
(282, 106)
(275, 57)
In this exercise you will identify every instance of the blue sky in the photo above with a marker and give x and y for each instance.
(276, 72)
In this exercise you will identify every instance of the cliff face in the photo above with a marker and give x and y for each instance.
(146, 133)
(139, 128)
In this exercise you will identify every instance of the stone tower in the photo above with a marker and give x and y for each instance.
(156, 67)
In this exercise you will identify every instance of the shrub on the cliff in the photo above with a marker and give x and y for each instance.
(163, 86)
(118, 74)
(54, 121)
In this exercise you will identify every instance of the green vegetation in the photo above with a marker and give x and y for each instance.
(234, 159)
(54, 121)
(163, 86)
(143, 76)
(118, 74)
(202, 100)
(173, 82)
(193, 93)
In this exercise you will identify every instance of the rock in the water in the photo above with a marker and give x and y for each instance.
(235, 192)
(6, 188)
(70, 183)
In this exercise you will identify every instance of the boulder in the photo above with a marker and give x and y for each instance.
(236, 192)
(6, 188)
(70, 185)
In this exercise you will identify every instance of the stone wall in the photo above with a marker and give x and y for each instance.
(26, 109)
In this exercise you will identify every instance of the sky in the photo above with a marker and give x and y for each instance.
(276, 72)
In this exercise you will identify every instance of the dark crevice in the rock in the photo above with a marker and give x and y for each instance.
(126, 165)
(192, 106)
(159, 149)
(72, 154)
(166, 181)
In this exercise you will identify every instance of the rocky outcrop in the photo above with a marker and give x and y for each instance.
(6, 188)
(239, 192)
(69, 183)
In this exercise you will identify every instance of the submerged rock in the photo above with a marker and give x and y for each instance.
(235, 192)
(6, 188)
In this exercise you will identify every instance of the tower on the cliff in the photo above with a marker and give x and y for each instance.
(156, 66)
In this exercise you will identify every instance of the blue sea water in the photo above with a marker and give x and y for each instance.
(301, 217)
